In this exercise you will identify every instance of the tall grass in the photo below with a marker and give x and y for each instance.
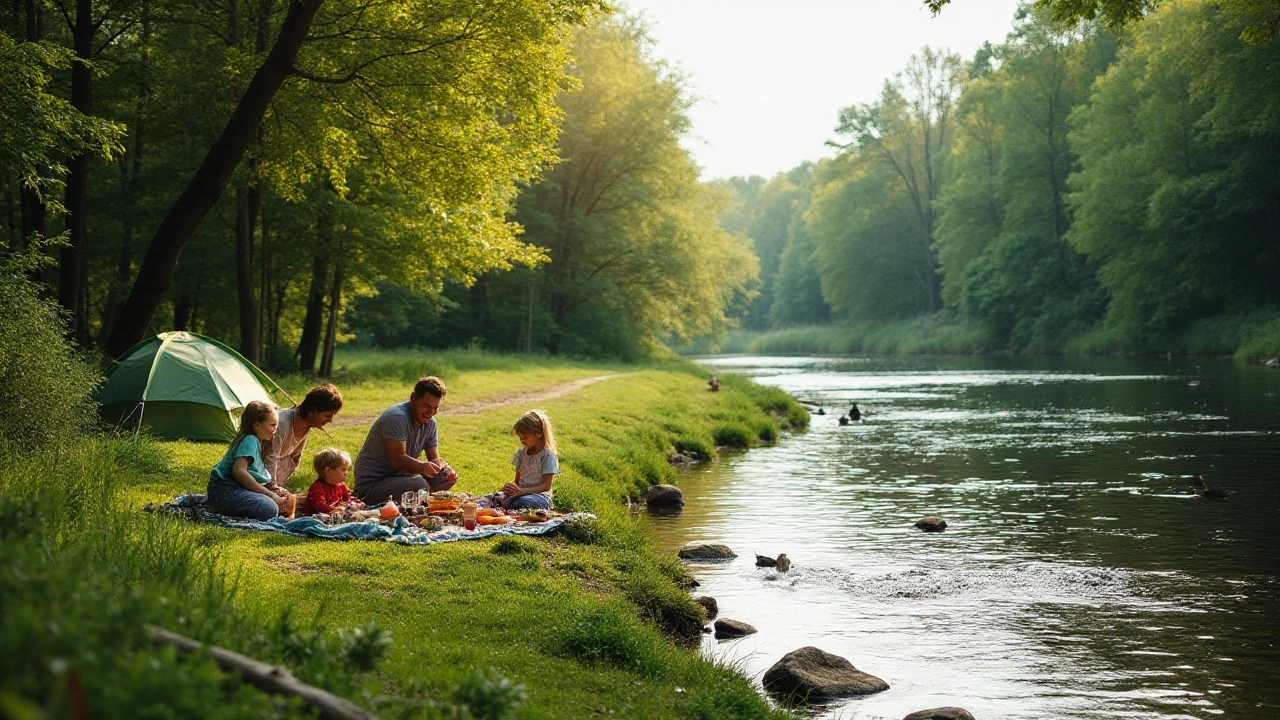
(937, 334)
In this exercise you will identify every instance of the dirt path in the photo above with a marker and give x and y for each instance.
(479, 406)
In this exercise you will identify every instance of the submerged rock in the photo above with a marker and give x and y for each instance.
(943, 713)
(708, 603)
(708, 551)
(664, 497)
(783, 563)
(733, 629)
(931, 523)
(813, 675)
(765, 561)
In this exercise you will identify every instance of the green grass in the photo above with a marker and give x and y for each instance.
(590, 620)
(938, 334)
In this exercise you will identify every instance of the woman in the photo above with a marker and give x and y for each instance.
(282, 454)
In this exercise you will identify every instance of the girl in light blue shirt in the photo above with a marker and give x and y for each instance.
(536, 464)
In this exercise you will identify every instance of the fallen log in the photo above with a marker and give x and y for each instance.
(268, 678)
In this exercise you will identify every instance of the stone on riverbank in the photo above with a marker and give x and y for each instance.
(709, 551)
(783, 563)
(664, 497)
(709, 603)
(943, 713)
(812, 675)
(733, 629)
(931, 523)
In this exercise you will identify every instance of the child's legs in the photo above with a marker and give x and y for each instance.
(530, 502)
(241, 503)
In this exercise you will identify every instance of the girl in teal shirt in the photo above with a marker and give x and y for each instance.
(238, 483)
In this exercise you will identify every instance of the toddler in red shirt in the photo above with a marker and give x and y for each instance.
(329, 492)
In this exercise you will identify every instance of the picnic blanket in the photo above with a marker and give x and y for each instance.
(196, 508)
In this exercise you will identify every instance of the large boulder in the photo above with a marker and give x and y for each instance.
(812, 675)
(707, 551)
(709, 604)
(931, 523)
(664, 497)
(943, 713)
(726, 628)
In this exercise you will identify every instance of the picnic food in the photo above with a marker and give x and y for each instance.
(488, 512)
(494, 520)
(445, 501)
(536, 516)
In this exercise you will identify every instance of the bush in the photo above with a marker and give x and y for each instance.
(733, 434)
(44, 384)
(603, 634)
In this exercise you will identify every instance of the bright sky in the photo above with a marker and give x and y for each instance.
(770, 75)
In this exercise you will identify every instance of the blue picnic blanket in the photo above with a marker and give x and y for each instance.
(196, 508)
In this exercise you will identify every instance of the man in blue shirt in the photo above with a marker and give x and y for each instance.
(388, 464)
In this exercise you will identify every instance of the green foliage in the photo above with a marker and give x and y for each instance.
(38, 128)
(768, 213)
(1031, 292)
(44, 383)
(1175, 195)
(733, 434)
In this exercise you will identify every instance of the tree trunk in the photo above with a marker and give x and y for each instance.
(248, 202)
(184, 307)
(311, 325)
(77, 197)
(124, 265)
(155, 276)
(331, 333)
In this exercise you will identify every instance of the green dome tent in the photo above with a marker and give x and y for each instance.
(182, 385)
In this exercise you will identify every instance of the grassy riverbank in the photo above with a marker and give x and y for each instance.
(588, 621)
(1248, 337)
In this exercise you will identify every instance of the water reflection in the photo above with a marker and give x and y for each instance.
(1078, 577)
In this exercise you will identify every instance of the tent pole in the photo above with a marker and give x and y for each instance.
(142, 405)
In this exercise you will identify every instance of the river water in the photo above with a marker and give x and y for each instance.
(1079, 576)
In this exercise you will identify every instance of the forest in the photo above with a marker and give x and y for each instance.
(1077, 187)
(293, 176)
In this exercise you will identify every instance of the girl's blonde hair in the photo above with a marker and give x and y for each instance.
(255, 412)
(536, 422)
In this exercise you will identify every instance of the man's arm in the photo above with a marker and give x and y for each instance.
(397, 453)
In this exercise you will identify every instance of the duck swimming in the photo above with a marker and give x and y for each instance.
(1204, 492)
(854, 413)
(844, 420)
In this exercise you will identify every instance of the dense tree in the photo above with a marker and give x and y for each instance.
(765, 211)
(908, 130)
(797, 291)
(1177, 198)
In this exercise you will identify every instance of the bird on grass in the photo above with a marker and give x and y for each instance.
(1204, 492)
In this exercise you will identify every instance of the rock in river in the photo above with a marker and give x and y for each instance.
(709, 551)
(944, 713)
(812, 675)
(931, 523)
(709, 603)
(727, 628)
(664, 497)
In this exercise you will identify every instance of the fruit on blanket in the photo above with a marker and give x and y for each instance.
(389, 511)
(493, 519)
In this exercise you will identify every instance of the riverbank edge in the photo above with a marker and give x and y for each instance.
(627, 606)
(1251, 339)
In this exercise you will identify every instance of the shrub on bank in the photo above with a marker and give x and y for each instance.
(44, 383)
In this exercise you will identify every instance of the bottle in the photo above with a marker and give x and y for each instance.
(469, 515)
(389, 511)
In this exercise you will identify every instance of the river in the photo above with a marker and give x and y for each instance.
(1079, 576)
